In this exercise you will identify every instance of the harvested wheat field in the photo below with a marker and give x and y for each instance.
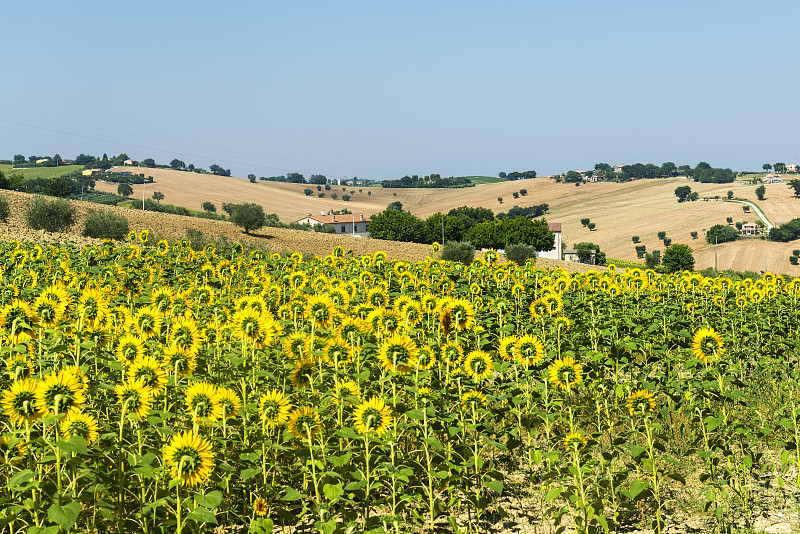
(619, 210)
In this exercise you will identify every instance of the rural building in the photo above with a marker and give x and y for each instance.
(772, 179)
(571, 254)
(131, 162)
(92, 172)
(43, 160)
(555, 253)
(342, 224)
(749, 229)
(792, 167)
(618, 168)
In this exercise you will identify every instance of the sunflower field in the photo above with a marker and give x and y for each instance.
(161, 389)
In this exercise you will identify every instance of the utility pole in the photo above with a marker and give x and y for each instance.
(442, 230)
(144, 186)
(715, 254)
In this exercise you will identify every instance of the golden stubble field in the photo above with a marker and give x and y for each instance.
(620, 211)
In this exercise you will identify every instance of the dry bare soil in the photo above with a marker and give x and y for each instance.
(620, 211)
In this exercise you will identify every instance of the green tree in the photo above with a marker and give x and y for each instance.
(640, 251)
(396, 206)
(502, 175)
(573, 177)
(463, 252)
(682, 192)
(523, 192)
(668, 169)
(500, 200)
(779, 167)
(729, 219)
(50, 215)
(766, 167)
(124, 189)
(794, 184)
(209, 206)
(177, 164)
(662, 234)
(102, 224)
(678, 257)
(652, 259)
(149, 163)
(635, 239)
(59, 187)
(158, 196)
(248, 216)
(760, 192)
(694, 235)
(694, 195)
(396, 225)
(500, 233)
(346, 198)
(730, 195)
(584, 251)
(719, 233)
(317, 179)
(19, 159)
(308, 192)
(5, 211)
(591, 226)
(585, 222)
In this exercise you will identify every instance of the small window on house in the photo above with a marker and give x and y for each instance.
(343, 229)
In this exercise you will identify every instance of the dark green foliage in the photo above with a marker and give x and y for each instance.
(104, 224)
(635, 239)
(209, 206)
(584, 251)
(640, 250)
(667, 241)
(248, 216)
(432, 181)
(720, 233)
(795, 185)
(528, 211)
(397, 225)
(307, 192)
(500, 233)
(760, 192)
(678, 257)
(786, 232)
(793, 260)
(4, 209)
(462, 251)
(585, 221)
(682, 192)
(662, 234)
(520, 253)
(591, 226)
(652, 259)
(158, 196)
(396, 205)
(49, 215)
(694, 235)
(346, 198)
(124, 189)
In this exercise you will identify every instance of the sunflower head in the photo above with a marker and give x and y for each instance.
(274, 407)
(707, 345)
(304, 422)
(574, 442)
(189, 458)
(479, 365)
(372, 416)
(641, 402)
(565, 373)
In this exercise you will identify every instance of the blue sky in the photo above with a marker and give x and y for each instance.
(379, 89)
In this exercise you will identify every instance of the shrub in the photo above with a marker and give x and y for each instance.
(346, 198)
(678, 257)
(334, 196)
(652, 259)
(327, 187)
(500, 200)
(694, 235)
(585, 221)
(793, 260)
(519, 253)
(515, 194)
(635, 239)
(523, 192)
(49, 215)
(796, 253)
(662, 234)
(730, 220)
(321, 194)
(640, 250)
(104, 224)
(591, 226)
(462, 251)
(667, 241)
(4, 209)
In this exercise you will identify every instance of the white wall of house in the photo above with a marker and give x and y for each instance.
(555, 253)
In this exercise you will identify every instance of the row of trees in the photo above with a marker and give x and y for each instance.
(703, 172)
(476, 225)
(525, 175)
(430, 181)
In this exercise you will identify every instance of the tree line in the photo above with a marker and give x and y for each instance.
(431, 180)
(479, 226)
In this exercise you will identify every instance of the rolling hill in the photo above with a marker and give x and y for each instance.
(619, 210)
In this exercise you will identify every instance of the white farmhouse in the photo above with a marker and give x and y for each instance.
(349, 223)
(555, 253)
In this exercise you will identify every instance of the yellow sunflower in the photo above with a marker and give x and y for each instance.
(176, 359)
(185, 335)
(229, 401)
(304, 422)
(707, 345)
(77, 423)
(189, 458)
(425, 358)
(397, 352)
(565, 373)
(479, 365)
(345, 389)
(372, 416)
(274, 407)
(135, 398)
(303, 374)
(19, 366)
(150, 372)
(472, 399)
(574, 441)
(202, 401)
(507, 348)
(641, 402)
(129, 349)
(58, 393)
(529, 350)
(19, 402)
(321, 310)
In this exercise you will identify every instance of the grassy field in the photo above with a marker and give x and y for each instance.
(486, 179)
(40, 172)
